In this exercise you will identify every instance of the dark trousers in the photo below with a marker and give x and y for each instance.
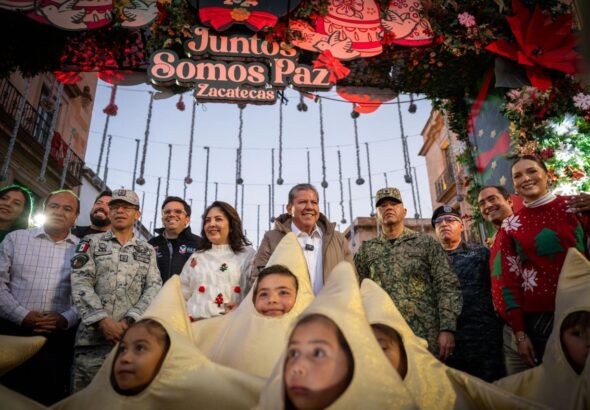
(45, 376)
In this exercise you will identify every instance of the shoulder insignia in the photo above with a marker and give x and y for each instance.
(83, 246)
(79, 261)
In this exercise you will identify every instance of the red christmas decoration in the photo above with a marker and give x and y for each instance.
(219, 300)
(541, 43)
(335, 67)
(180, 104)
(237, 289)
(201, 289)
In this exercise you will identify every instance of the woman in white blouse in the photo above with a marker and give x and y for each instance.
(214, 277)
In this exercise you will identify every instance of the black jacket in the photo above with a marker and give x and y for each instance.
(172, 254)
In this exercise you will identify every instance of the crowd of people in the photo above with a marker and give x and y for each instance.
(301, 313)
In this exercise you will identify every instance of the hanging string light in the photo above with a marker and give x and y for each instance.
(17, 120)
(270, 217)
(407, 164)
(323, 148)
(272, 185)
(236, 185)
(50, 134)
(258, 224)
(137, 141)
(385, 177)
(106, 162)
(370, 178)
(301, 107)
(239, 179)
(110, 110)
(184, 191)
(206, 175)
(412, 108)
(352, 228)
(157, 202)
(141, 179)
(242, 204)
(280, 178)
(188, 180)
(308, 168)
(359, 179)
(169, 167)
(216, 188)
(343, 220)
(64, 171)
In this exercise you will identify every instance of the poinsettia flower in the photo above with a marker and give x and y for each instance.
(541, 42)
(466, 20)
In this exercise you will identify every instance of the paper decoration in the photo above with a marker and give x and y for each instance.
(137, 13)
(73, 14)
(366, 99)
(405, 24)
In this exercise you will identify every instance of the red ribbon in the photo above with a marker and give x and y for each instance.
(333, 65)
(220, 18)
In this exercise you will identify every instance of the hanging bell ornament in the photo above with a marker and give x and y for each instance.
(188, 180)
(324, 184)
(360, 181)
(354, 114)
(302, 107)
(280, 181)
(343, 221)
(239, 181)
(140, 181)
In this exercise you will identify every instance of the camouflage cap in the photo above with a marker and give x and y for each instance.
(445, 210)
(125, 195)
(391, 193)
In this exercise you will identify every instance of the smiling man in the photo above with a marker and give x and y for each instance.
(175, 243)
(478, 337)
(99, 216)
(322, 245)
(415, 271)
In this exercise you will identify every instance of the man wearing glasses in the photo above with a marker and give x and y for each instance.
(114, 279)
(175, 243)
(478, 337)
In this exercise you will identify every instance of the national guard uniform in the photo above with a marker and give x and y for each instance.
(109, 280)
(415, 271)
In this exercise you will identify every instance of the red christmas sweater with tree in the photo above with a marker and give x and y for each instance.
(533, 246)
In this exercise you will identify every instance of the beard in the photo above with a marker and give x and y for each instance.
(99, 222)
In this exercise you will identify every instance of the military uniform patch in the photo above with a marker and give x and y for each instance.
(83, 246)
(123, 258)
(79, 261)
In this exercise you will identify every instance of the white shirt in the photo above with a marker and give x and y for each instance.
(314, 258)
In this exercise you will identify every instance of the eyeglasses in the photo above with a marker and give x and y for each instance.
(126, 208)
(173, 211)
(447, 219)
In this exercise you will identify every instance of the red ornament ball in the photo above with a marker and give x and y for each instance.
(202, 289)
(237, 289)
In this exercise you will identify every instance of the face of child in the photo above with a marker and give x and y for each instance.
(316, 368)
(276, 295)
(137, 360)
(391, 349)
(576, 342)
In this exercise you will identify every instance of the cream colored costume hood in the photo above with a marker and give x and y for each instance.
(14, 351)
(554, 382)
(247, 340)
(432, 384)
(186, 380)
(375, 383)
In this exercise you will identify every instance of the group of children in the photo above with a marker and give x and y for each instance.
(346, 348)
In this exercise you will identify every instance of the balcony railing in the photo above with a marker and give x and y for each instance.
(35, 127)
(444, 183)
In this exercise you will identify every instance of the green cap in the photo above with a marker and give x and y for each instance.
(124, 195)
(390, 193)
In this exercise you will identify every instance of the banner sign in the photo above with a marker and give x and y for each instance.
(236, 68)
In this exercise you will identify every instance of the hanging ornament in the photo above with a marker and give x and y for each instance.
(17, 120)
(271, 219)
(343, 220)
(354, 115)
(157, 202)
(322, 144)
(216, 189)
(352, 234)
(239, 179)
(180, 104)
(106, 162)
(413, 107)
(141, 179)
(370, 179)
(51, 133)
(111, 109)
(207, 175)
(135, 164)
(407, 164)
(385, 178)
(64, 171)
(359, 179)
(188, 180)
(301, 107)
(169, 167)
(280, 179)
(366, 99)
(308, 167)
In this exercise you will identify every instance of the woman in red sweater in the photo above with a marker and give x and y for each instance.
(534, 244)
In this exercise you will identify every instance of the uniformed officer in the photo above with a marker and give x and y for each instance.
(114, 279)
(478, 338)
(415, 271)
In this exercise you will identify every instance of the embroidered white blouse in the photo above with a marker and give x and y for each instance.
(214, 277)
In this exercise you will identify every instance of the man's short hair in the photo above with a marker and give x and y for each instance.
(63, 191)
(301, 187)
(106, 192)
(503, 191)
(274, 270)
(187, 207)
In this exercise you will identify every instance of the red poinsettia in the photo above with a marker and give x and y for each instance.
(541, 42)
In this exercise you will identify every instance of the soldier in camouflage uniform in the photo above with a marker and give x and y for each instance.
(415, 271)
(478, 349)
(114, 279)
